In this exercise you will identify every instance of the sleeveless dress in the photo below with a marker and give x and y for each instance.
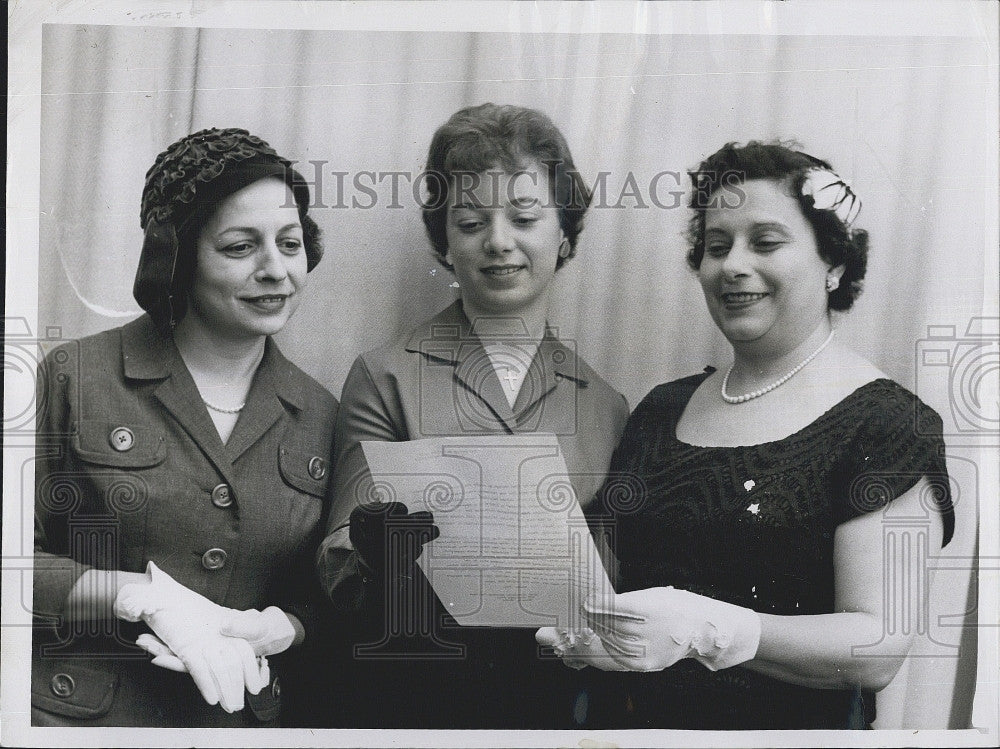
(754, 525)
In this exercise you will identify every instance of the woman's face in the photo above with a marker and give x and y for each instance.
(251, 264)
(503, 239)
(762, 274)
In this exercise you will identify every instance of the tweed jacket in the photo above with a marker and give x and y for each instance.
(131, 469)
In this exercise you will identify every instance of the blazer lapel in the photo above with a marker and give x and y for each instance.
(474, 370)
(447, 338)
(552, 363)
(148, 354)
(271, 385)
(179, 395)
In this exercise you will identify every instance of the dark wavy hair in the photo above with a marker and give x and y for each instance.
(491, 136)
(733, 164)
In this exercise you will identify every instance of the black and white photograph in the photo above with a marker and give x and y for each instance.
(507, 374)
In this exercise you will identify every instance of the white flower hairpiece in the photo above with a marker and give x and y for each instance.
(831, 192)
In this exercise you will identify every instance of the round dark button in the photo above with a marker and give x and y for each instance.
(62, 685)
(317, 468)
(221, 496)
(214, 559)
(122, 439)
(276, 688)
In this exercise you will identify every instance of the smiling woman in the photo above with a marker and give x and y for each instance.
(250, 267)
(251, 264)
(750, 592)
(504, 214)
(202, 447)
(504, 244)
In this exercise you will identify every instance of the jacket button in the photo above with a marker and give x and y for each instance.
(317, 468)
(221, 496)
(214, 559)
(122, 439)
(62, 685)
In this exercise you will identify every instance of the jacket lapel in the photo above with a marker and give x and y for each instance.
(271, 385)
(447, 338)
(149, 354)
(552, 363)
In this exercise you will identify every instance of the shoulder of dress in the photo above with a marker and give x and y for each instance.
(668, 395)
(681, 386)
(884, 402)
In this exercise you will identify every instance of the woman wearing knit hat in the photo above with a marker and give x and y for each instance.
(182, 462)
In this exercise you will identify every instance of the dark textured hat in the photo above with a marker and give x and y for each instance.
(183, 188)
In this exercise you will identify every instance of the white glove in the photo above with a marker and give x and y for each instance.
(189, 625)
(578, 649)
(269, 631)
(164, 657)
(652, 629)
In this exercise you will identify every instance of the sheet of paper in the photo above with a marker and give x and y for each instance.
(514, 549)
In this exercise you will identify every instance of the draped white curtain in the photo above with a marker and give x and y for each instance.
(905, 119)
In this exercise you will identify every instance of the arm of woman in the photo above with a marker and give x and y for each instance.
(365, 414)
(880, 596)
(878, 601)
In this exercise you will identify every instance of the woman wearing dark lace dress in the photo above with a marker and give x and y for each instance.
(760, 585)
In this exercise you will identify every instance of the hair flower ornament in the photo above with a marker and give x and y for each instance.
(831, 192)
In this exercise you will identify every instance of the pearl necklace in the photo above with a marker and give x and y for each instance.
(785, 378)
(224, 410)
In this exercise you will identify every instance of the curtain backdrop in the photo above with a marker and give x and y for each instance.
(906, 120)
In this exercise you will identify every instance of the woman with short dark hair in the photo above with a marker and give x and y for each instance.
(756, 586)
(504, 211)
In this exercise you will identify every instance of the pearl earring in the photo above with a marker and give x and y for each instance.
(832, 283)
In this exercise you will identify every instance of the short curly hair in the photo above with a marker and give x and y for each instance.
(490, 136)
(838, 244)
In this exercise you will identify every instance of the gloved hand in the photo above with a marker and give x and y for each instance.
(269, 631)
(652, 629)
(164, 657)
(388, 538)
(189, 625)
(578, 649)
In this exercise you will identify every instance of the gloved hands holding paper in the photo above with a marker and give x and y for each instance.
(514, 548)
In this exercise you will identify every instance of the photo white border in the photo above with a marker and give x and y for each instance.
(925, 18)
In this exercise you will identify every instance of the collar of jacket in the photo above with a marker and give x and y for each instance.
(449, 340)
(150, 354)
(442, 338)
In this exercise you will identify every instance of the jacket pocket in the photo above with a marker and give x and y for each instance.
(120, 445)
(67, 687)
(304, 469)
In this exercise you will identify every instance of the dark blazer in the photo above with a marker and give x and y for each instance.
(438, 381)
(130, 468)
